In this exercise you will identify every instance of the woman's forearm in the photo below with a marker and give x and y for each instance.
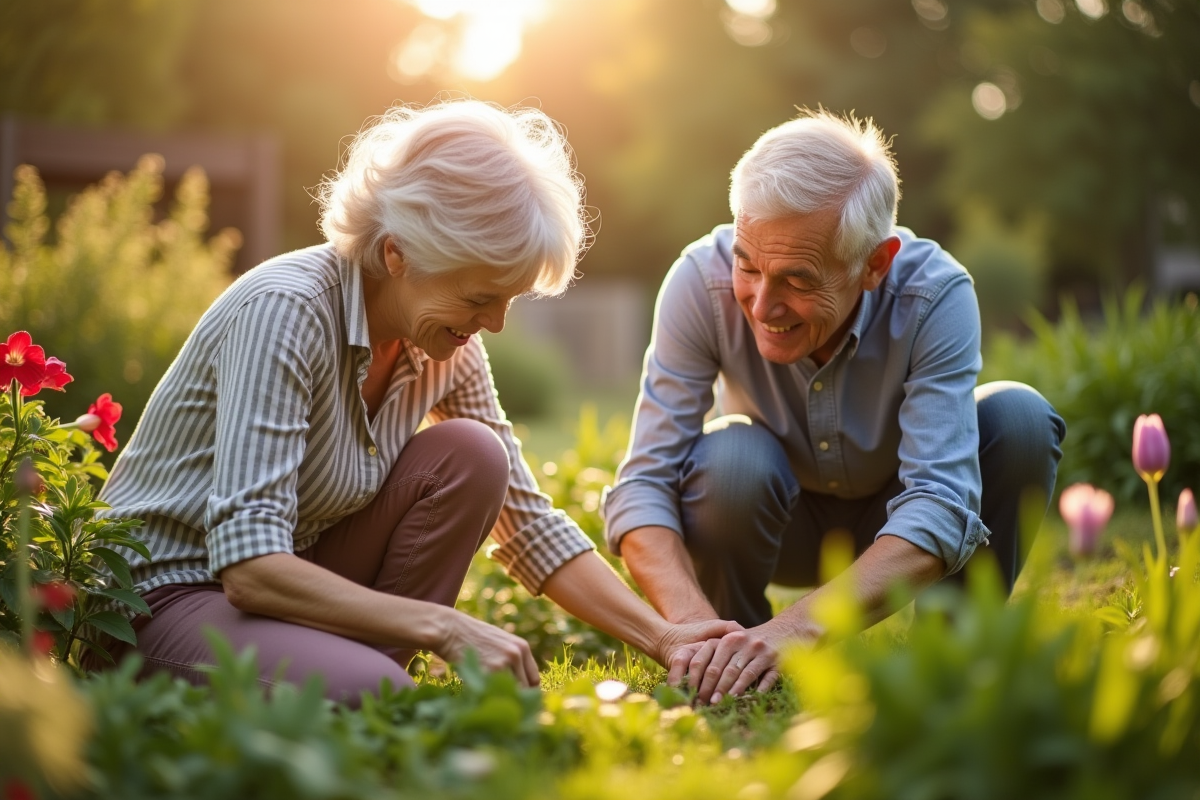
(587, 588)
(285, 587)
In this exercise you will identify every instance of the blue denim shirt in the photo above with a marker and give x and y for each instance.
(897, 398)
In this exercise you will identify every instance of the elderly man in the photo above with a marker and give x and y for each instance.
(843, 353)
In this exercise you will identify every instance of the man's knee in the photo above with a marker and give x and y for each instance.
(1018, 427)
(736, 479)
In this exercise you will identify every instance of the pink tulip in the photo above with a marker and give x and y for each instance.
(1086, 510)
(1185, 513)
(1151, 447)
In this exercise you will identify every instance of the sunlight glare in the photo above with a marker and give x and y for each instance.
(760, 9)
(1093, 9)
(989, 101)
(478, 39)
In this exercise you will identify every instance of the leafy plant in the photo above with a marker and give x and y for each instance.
(59, 576)
(1100, 376)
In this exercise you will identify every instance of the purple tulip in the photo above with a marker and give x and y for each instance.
(1086, 510)
(1151, 447)
(1185, 513)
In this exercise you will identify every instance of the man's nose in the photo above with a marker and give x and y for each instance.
(766, 305)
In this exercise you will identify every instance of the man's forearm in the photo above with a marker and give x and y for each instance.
(886, 563)
(658, 560)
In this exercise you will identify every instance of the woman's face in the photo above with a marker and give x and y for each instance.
(440, 313)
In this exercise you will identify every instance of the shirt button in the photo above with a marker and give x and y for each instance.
(818, 386)
(373, 450)
(824, 445)
(833, 484)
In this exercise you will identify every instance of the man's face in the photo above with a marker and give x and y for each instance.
(798, 297)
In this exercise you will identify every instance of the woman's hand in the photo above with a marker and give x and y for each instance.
(497, 649)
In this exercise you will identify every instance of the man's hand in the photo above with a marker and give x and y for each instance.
(497, 649)
(679, 643)
(734, 663)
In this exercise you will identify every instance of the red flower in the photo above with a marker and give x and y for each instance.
(55, 377)
(16, 789)
(55, 596)
(108, 412)
(43, 642)
(25, 362)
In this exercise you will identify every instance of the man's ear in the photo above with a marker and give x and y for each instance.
(879, 262)
(393, 259)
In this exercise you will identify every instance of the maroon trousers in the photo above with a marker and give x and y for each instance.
(415, 539)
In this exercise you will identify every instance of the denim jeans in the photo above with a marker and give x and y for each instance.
(747, 523)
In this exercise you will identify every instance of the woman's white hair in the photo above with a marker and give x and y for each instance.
(820, 161)
(456, 184)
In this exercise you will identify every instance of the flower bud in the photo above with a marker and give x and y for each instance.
(26, 479)
(55, 596)
(1185, 513)
(88, 422)
(1151, 447)
(1086, 510)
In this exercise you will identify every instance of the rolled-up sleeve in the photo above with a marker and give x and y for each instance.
(534, 537)
(681, 365)
(263, 397)
(938, 509)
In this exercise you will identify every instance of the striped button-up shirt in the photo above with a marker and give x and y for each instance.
(257, 438)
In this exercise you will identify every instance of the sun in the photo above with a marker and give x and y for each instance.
(476, 39)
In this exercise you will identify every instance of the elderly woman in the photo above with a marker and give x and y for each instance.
(290, 499)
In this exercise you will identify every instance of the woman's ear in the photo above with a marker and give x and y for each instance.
(393, 259)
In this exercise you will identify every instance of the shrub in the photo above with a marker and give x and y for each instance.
(1101, 376)
(115, 293)
(59, 576)
(529, 375)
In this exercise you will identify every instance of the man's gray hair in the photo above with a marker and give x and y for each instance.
(816, 162)
(456, 184)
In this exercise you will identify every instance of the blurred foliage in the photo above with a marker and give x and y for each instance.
(114, 294)
(93, 62)
(1101, 375)
(529, 374)
(45, 725)
(574, 484)
(660, 99)
(1102, 128)
(1008, 264)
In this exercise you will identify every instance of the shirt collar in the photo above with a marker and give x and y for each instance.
(354, 308)
(865, 308)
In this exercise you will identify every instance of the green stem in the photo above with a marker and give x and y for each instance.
(1160, 539)
(14, 397)
(24, 595)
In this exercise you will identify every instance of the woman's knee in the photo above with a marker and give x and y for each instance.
(466, 447)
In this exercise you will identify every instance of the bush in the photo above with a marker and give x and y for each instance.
(1101, 377)
(529, 375)
(60, 579)
(115, 294)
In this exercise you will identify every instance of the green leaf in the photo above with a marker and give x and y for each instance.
(128, 597)
(116, 564)
(114, 625)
